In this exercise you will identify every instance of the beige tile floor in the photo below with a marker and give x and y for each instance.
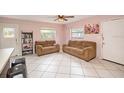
(62, 65)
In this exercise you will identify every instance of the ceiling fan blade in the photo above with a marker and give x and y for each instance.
(69, 16)
(65, 19)
(60, 16)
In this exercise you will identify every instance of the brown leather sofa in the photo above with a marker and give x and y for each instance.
(85, 50)
(46, 47)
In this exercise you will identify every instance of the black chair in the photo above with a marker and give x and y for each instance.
(18, 61)
(17, 67)
(16, 70)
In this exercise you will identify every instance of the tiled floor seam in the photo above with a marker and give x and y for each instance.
(108, 70)
(58, 69)
(46, 68)
(96, 71)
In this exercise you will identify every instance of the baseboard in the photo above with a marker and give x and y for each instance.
(113, 62)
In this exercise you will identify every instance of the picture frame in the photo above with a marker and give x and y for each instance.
(91, 28)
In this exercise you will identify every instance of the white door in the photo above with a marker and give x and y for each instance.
(9, 37)
(113, 40)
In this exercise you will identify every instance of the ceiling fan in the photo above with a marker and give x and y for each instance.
(62, 18)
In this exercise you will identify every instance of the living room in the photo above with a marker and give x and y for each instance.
(61, 46)
(87, 33)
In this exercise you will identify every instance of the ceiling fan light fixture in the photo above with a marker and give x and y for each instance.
(60, 20)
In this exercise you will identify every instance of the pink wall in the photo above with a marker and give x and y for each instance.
(35, 27)
(63, 31)
(91, 37)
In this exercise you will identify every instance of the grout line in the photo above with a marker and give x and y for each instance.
(48, 65)
(106, 68)
(96, 71)
(58, 68)
(69, 58)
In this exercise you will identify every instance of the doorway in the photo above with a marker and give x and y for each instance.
(9, 37)
(113, 40)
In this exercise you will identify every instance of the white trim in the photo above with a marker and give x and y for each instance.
(17, 36)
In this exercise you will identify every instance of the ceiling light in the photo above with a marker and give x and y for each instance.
(60, 20)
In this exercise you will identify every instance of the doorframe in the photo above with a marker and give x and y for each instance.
(18, 40)
(104, 37)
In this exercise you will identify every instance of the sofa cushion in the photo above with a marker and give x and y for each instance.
(40, 43)
(50, 43)
(77, 44)
(49, 48)
(74, 50)
(80, 44)
(72, 43)
(45, 43)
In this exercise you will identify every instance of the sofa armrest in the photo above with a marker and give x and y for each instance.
(39, 49)
(57, 46)
(63, 47)
(89, 52)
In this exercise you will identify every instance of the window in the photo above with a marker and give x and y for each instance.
(48, 34)
(9, 32)
(77, 33)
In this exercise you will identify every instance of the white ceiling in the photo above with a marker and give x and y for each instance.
(46, 18)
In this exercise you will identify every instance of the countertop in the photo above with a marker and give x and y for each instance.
(4, 57)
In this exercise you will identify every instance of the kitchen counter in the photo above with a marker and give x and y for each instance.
(4, 57)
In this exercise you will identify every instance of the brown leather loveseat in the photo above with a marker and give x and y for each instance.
(85, 50)
(46, 47)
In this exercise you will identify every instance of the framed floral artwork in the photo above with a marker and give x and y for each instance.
(91, 29)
